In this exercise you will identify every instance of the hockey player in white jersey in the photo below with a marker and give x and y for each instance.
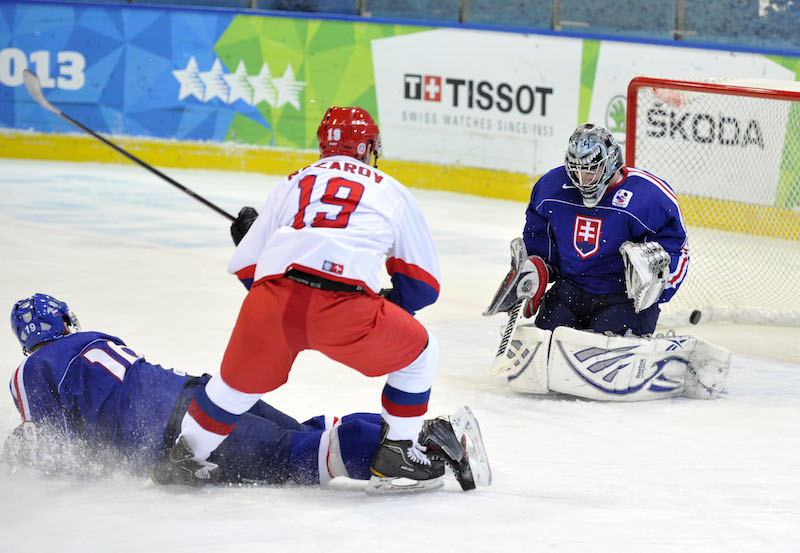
(312, 262)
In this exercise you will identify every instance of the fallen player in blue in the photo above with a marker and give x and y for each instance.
(90, 405)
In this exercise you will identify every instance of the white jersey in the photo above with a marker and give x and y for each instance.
(342, 219)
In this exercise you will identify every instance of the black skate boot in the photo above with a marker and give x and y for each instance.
(178, 467)
(401, 466)
(457, 441)
(442, 443)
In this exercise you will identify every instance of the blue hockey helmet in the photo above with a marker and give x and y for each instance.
(593, 158)
(41, 318)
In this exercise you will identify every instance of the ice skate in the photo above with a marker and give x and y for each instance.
(402, 466)
(457, 441)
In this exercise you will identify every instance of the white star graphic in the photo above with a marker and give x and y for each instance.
(191, 84)
(216, 87)
(229, 87)
(263, 90)
(288, 89)
(239, 85)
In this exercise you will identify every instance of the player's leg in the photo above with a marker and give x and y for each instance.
(353, 442)
(256, 361)
(561, 306)
(261, 450)
(266, 411)
(324, 446)
(377, 337)
(616, 314)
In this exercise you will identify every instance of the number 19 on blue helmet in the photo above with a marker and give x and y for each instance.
(41, 318)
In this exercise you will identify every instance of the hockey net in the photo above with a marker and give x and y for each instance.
(731, 151)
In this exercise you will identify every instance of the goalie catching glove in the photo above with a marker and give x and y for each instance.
(646, 270)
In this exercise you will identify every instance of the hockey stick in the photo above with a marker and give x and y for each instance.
(35, 88)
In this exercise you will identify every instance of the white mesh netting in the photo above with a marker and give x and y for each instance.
(732, 154)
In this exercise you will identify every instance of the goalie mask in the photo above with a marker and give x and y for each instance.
(350, 132)
(41, 318)
(593, 157)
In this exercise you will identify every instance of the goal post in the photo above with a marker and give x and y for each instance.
(731, 151)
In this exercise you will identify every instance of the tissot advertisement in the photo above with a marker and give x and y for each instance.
(504, 101)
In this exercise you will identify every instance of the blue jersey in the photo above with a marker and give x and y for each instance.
(97, 391)
(582, 243)
(89, 391)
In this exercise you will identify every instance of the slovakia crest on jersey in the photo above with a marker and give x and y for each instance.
(586, 235)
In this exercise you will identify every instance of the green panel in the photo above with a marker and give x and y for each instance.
(246, 131)
(793, 64)
(589, 57)
(789, 181)
(788, 195)
(310, 66)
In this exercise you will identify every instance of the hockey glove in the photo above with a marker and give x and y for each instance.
(179, 467)
(527, 279)
(646, 270)
(19, 449)
(247, 215)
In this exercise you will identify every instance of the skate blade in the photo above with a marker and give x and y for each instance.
(386, 485)
(466, 428)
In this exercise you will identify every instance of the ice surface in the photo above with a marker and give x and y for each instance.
(136, 257)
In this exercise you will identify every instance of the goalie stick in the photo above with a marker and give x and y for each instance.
(35, 89)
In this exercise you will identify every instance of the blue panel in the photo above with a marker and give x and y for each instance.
(344, 7)
(347, 7)
(745, 22)
(653, 18)
(520, 13)
(6, 22)
(209, 3)
(428, 10)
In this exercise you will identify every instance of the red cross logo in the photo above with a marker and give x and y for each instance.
(586, 235)
(433, 88)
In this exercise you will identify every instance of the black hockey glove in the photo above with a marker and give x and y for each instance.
(243, 223)
(178, 467)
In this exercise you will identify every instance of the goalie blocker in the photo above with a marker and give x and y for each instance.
(612, 368)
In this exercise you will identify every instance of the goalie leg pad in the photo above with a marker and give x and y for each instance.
(519, 348)
(618, 368)
(709, 370)
(527, 360)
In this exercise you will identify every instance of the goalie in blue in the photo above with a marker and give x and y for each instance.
(610, 238)
(90, 405)
(612, 242)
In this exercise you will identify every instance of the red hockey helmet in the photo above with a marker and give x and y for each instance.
(351, 132)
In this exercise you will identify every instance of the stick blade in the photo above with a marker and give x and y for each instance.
(35, 89)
